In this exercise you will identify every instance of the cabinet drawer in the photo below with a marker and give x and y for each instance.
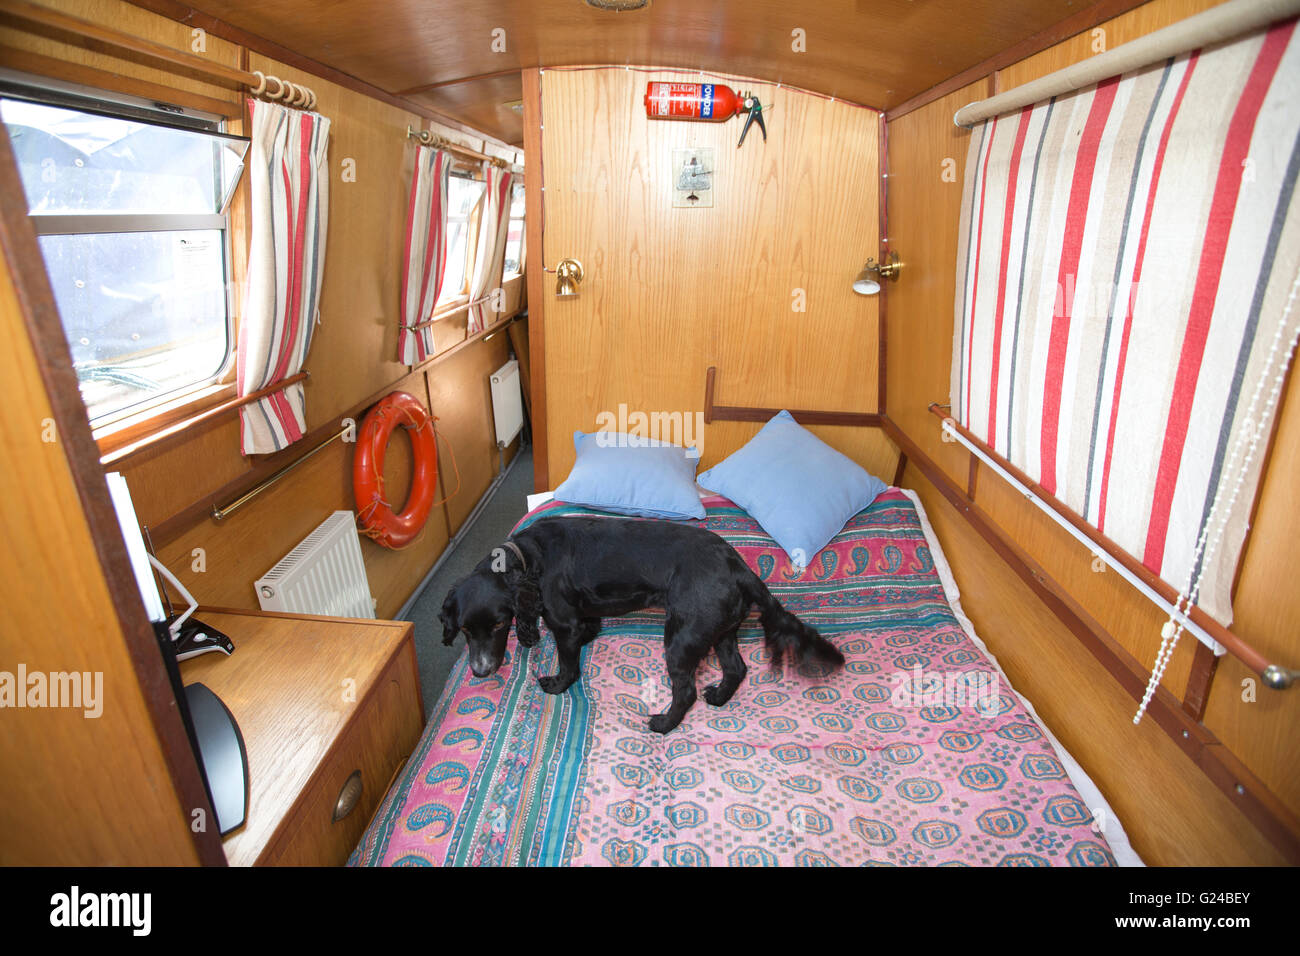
(383, 732)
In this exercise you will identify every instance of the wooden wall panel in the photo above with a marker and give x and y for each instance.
(123, 16)
(924, 211)
(669, 292)
(1258, 724)
(927, 163)
(237, 551)
(60, 616)
(1121, 29)
(460, 395)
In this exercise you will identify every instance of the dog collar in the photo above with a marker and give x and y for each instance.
(518, 554)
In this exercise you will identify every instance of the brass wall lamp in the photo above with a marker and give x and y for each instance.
(868, 280)
(567, 276)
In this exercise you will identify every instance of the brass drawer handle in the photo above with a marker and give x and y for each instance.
(349, 796)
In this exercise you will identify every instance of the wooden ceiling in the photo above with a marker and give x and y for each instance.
(875, 52)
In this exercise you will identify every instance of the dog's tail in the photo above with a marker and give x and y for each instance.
(784, 634)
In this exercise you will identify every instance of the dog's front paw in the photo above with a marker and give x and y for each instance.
(713, 697)
(554, 684)
(662, 723)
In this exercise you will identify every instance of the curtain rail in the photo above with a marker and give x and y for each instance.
(1158, 591)
(429, 138)
(1231, 19)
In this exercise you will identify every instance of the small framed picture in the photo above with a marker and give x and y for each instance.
(693, 177)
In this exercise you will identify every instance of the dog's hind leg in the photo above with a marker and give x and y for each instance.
(682, 653)
(733, 670)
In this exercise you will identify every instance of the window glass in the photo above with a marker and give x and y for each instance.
(130, 220)
(74, 162)
(144, 312)
(462, 196)
(515, 237)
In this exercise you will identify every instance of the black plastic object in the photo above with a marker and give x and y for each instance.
(221, 753)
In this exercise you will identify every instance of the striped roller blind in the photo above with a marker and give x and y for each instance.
(1127, 260)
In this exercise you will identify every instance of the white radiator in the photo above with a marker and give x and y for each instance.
(324, 574)
(507, 403)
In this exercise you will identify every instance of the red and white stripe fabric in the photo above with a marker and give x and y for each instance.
(1126, 255)
(289, 187)
(490, 257)
(426, 253)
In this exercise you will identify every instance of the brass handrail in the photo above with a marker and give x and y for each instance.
(221, 514)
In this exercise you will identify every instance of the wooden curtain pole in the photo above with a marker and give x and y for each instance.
(259, 84)
(429, 138)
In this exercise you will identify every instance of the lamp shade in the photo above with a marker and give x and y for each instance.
(864, 284)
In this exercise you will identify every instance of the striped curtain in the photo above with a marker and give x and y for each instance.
(426, 253)
(490, 257)
(289, 186)
(1127, 253)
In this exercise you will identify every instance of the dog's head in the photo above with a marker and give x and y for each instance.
(482, 607)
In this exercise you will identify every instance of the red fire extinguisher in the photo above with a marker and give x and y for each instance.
(702, 101)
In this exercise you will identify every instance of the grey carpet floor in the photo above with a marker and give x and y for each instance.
(489, 529)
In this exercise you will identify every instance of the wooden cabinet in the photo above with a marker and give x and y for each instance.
(316, 699)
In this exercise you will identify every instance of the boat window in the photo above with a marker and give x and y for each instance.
(463, 194)
(130, 210)
(515, 237)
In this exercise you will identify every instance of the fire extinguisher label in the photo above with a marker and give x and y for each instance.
(688, 100)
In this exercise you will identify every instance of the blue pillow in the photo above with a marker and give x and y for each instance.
(630, 475)
(801, 490)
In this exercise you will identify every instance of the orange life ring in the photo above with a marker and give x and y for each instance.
(376, 515)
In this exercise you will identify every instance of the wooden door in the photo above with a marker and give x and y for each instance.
(758, 283)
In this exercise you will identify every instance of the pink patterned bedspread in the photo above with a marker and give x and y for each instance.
(915, 754)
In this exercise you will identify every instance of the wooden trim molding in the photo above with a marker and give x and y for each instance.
(1245, 790)
(36, 299)
(804, 416)
(223, 410)
(882, 304)
(37, 64)
(535, 268)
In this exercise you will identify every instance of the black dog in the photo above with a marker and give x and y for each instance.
(574, 571)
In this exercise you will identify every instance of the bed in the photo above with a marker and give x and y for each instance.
(917, 753)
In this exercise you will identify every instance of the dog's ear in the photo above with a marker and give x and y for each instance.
(450, 617)
(527, 600)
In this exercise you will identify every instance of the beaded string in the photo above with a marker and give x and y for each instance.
(1248, 437)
